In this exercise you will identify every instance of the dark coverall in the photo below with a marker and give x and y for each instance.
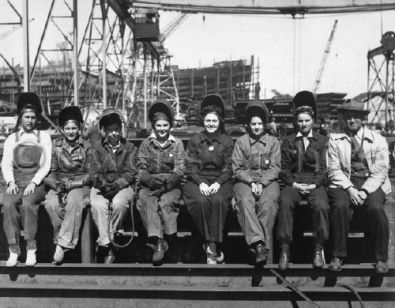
(306, 166)
(208, 160)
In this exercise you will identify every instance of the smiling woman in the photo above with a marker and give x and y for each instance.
(67, 183)
(161, 161)
(208, 190)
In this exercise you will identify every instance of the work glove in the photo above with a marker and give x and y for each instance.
(172, 181)
(50, 183)
(155, 182)
(121, 183)
(158, 192)
(71, 184)
(98, 181)
(110, 190)
(60, 187)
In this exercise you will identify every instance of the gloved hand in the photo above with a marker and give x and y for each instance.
(60, 187)
(155, 182)
(172, 181)
(109, 190)
(98, 181)
(158, 192)
(121, 183)
(71, 184)
(50, 183)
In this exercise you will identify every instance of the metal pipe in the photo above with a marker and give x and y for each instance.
(104, 52)
(75, 52)
(386, 92)
(26, 60)
(145, 87)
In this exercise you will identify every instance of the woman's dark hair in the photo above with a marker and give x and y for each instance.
(249, 118)
(212, 109)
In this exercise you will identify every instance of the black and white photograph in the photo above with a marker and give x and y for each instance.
(197, 153)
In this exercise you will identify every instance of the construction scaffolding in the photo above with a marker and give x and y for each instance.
(381, 82)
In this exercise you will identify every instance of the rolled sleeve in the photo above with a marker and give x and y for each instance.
(7, 166)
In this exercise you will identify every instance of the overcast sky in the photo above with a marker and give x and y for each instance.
(283, 45)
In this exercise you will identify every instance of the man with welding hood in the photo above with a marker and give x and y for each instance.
(113, 169)
(358, 164)
(303, 171)
(26, 162)
(69, 181)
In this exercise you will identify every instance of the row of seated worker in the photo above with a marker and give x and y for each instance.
(337, 177)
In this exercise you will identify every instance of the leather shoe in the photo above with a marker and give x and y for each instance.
(59, 255)
(283, 263)
(110, 257)
(336, 264)
(318, 260)
(260, 254)
(381, 267)
(159, 252)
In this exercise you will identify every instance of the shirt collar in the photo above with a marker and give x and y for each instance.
(170, 138)
(115, 146)
(364, 131)
(79, 143)
(212, 137)
(262, 139)
(107, 144)
(310, 135)
(21, 132)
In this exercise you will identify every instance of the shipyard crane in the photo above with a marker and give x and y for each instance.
(317, 82)
(172, 26)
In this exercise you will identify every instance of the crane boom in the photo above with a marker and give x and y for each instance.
(172, 26)
(324, 59)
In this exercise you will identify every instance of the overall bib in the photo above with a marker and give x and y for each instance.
(19, 209)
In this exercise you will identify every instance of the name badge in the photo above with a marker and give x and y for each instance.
(211, 148)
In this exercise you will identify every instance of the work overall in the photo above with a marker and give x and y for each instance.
(259, 164)
(159, 206)
(113, 166)
(26, 158)
(65, 209)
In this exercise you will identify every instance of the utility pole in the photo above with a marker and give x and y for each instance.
(26, 59)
